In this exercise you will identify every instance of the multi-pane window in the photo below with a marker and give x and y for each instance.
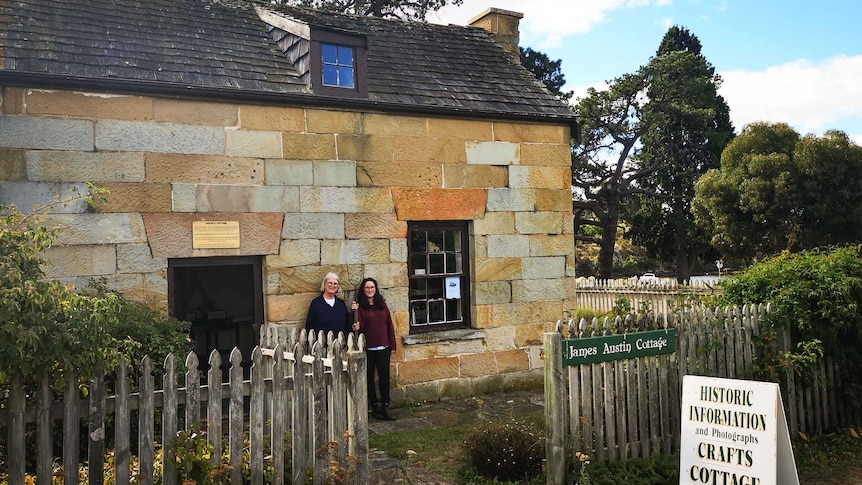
(338, 65)
(439, 275)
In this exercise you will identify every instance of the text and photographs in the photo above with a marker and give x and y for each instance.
(605, 348)
(215, 234)
(731, 433)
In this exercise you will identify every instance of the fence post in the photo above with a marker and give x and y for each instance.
(555, 417)
(357, 421)
(16, 430)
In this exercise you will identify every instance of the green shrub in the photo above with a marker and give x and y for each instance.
(507, 450)
(659, 470)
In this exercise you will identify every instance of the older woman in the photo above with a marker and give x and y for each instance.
(374, 320)
(327, 312)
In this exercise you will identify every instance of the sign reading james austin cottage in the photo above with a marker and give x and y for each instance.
(617, 347)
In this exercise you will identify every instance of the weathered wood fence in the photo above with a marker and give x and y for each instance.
(309, 387)
(631, 408)
(664, 298)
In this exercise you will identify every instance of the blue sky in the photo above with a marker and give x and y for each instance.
(794, 61)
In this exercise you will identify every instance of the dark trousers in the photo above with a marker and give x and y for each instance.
(378, 362)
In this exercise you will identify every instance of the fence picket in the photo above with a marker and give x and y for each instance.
(146, 419)
(122, 424)
(71, 431)
(44, 455)
(169, 420)
(214, 404)
(17, 405)
(256, 418)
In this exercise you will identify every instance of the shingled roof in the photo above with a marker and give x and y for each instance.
(222, 49)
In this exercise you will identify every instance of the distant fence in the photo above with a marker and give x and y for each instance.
(301, 389)
(661, 297)
(631, 408)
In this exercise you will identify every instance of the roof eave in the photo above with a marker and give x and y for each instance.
(128, 86)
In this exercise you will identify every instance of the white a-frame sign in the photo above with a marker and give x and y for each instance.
(734, 432)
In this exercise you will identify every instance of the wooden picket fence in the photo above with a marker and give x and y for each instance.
(664, 298)
(310, 388)
(624, 409)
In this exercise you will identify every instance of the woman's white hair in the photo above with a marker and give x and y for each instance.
(329, 276)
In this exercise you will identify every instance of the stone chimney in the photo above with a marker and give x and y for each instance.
(503, 26)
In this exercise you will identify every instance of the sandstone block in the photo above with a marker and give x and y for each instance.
(299, 252)
(495, 223)
(344, 199)
(398, 250)
(417, 352)
(27, 196)
(460, 129)
(86, 260)
(184, 197)
(419, 393)
(531, 132)
(388, 275)
(424, 204)
(289, 172)
(135, 197)
(288, 308)
(546, 154)
(531, 334)
(380, 124)
(500, 338)
(532, 177)
(493, 153)
(552, 245)
(46, 134)
(257, 144)
(170, 234)
(554, 200)
(313, 226)
(511, 200)
(97, 228)
(142, 136)
(474, 365)
(196, 112)
(89, 105)
(512, 360)
(539, 222)
(394, 174)
(375, 225)
(502, 246)
(456, 389)
(492, 384)
(460, 348)
(538, 290)
(458, 176)
(198, 169)
(271, 118)
(497, 315)
(13, 165)
(427, 370)
(247, 198)
(334, 173)
(12, 100)
(534, 268)
(332, 121)
(137, 258)
(66, 166)
(307, 279)
(381, 148)
(347, 251)
(307, 146)
(497, 269)
(489, 292)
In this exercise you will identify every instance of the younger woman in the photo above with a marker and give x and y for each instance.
(374, 320)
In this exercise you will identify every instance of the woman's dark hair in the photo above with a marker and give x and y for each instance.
(379, 301)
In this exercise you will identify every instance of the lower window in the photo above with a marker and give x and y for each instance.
(438, 269)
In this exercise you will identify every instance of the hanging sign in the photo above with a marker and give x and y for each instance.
(604, 348)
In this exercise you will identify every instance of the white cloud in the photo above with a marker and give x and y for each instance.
(546, 20)
(810, 96)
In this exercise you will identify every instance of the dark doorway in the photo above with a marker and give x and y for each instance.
(223, 299)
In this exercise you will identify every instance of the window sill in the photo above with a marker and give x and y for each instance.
(432, 337)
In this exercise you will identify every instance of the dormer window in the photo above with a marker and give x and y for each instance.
(337, 63)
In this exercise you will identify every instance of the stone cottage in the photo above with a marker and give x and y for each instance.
(251, 148)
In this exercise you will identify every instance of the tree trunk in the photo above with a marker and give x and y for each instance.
(605, 264)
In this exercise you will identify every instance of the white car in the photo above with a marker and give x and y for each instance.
(649, 279)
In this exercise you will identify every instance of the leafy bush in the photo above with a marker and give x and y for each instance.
(816, 294)
(508, 450)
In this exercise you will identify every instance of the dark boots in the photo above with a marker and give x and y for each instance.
(377, 411)
(381, 411)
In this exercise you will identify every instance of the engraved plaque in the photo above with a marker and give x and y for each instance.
(215, 234)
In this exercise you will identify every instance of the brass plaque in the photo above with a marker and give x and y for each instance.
(215, 234)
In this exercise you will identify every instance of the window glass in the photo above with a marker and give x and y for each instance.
(337, 65)
(438, 275)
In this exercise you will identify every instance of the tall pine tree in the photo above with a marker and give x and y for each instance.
(689, 126)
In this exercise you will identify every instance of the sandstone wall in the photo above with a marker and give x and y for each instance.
(315, 190)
